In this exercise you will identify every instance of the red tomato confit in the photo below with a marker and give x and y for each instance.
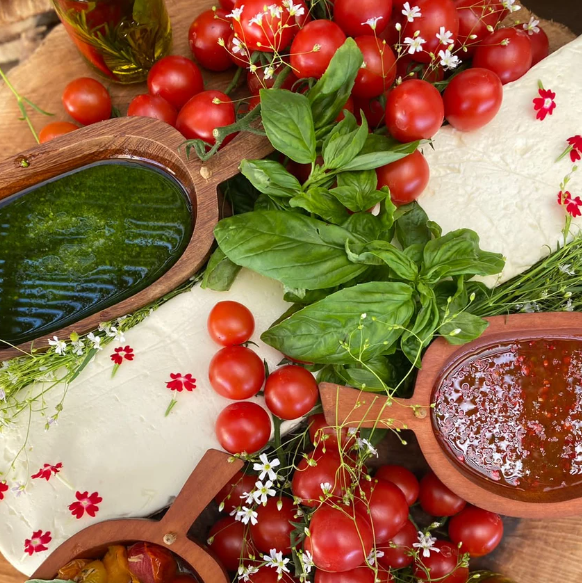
(291, 392)
(406, 178)
(153, 106)
(150, 562)
(87, 101)
(477, 532)
(205, 36)
(243, 427)
(230, 323)
(237, 373)
(356, 17)
(56, 129)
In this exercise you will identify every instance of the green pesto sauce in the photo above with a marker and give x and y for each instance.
(84, 242)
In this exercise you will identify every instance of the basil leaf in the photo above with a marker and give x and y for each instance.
(378, 252)
(288, 124)
(320, 202)
(412, 226)
(463, 328)
(357, 190)
(364, 320)
(378, 375)
(240, 194)
(266, 203)
(414, 253)
(305, 297)
(220, 272)
(365, 181)
(341, 147)
(270, 178)
(372, 157)
(297, 250)
(364, 224)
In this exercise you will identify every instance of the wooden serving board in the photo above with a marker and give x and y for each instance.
(533, 551)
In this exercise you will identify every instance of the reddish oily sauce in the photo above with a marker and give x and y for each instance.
(513, 414)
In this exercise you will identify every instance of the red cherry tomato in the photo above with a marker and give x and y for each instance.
(291, 392)
(340, 540)
(373, 110)
(204, 35)
(437, 499)
(87, 101)
(414, 111)
(256, 81)
(231, 494)
(406, 178)
(230, 323)
(435, 14)
(229, 542)
(269, 575)
(56, 129)
(540, 45)
(236, 372)
(237, 52)
(362, 574)
(349, 105)
(472, 99)
(397, 550)
(151, 563)
(475, 16)
(253, 102)
(273, 528)
(380, 70)
(176, 79)
(477, 531)
(321, 433)
(443, 565)
(227, 4)
(352, 16)
(153, 106)
(203, 114)
(243, 427)
(403, 478)
(510, 61)
(407, 68)
(307, 60)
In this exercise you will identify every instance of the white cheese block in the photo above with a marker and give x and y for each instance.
(503, 180)
(112, 436)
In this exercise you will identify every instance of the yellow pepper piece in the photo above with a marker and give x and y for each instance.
(117, 566)
(72, 569)
(94, 572)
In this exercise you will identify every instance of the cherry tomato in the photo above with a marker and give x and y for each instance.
(373, 110)
(386, 507)
(269, 575)
(230, 323)
(442, 565)
(307, 60)
(477, 531)
(510, 61)
(153, 106)
(474, 18)
(237, 52)
(229, 542)
(380, 70)
(437, 499)
(414, 111)
(150, 563)
(397, 549)
(231, 494)
(321, 433)
(472, 99)
(87, 101)
(236, 372)
(176, 79)
(273, 528)
(362, 574)
(55, 129)
(256, 81)
(340, 540)
(203, 114)
(204, 35)
(406, 178)
(435, 14)
(540, 45)
(403, 478)
(227, 4)
(291, 392)
(349, 105)
(253, 102)
(407, 68)
(243, 427)
(352, 16)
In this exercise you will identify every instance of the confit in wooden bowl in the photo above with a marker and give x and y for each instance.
(355, 408)
(210, 476)
(144, 140)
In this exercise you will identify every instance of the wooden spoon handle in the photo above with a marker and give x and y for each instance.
(210, 475)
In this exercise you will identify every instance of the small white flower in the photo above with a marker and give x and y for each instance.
(115, 333)
(414, 44)
(448, 60)
(269, 71)
(60, 346)
(306, 561)
(372, 22)
(511, 5)
(275, 11)
(275, 560)
(236, 13)
(104, 327)
(434, 525)
(78, 347)
(365, 444)
(352, 430)
(238, 47)
(19, 489)
(371, 559)
(294, 9)
(2, 395)
(266, 467)
(326, 488)
(248, 497)
(398, 27)
(532, 26)
(95, 340)
(257, 19)
(567, 269)
(531, 307)
(569, 306)
(363, 316)
(411, 13)
(445, 36)
(245, 572)
(245, 515)
(426, 543)
(262, 492)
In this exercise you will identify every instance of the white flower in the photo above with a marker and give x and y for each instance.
(269, 71)
(532, 26)
(262, 492)
(95, 340)
(266, 467)
(275, 560)
(60, 346)
(569, 306)
(258, 18)
(445, 36)
(426, 543)
(78, 347)
(245, 515)
(411, 13)
(531, 307)
(365, 444)
(567, 269)
(294, 9)
(352, 430)
(104, 327)
(245, 572)
(19, 489)
(371, 559)
(238, 47)
(275, 11)
(2, 395)
(307, 561)
(113, 332)
(414, 44)
(248, 497)
(326, 488)
(448, 60)
(236, 13)
(511, 5)
(372, 22)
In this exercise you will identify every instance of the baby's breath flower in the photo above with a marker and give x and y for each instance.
(59, 345)
(511, 5)
(236, 13)
(445, 36)
(426, 543)
(411, 13)
(263, 491)
(448, 60)
(275, 560)
(244, 572)
(532, 27)
(266, 467)
(414, 44)
(372, 22)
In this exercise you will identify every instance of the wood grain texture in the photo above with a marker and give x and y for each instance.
(17, 10)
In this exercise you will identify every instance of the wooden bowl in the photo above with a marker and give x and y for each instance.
(138, 139)
(210, 476)
(355, 408)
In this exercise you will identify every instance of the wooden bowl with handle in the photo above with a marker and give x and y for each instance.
(210, 476)
(355, 408)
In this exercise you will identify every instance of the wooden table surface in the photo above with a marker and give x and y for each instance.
(533, 551)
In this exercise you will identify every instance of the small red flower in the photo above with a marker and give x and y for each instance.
(576, 152)
(544, 104)
(85, 503)
(47, 471)
(38, 542)
(179, 382)
(571, 203)
(3, 488)
(121, 354)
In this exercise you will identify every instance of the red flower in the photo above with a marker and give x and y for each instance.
(86, 504)
(545, 104)
(122, 353)
(179, 382)
(576, 151)
(3, 488)
(38, 542)
(571, 203)
(47, 471)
